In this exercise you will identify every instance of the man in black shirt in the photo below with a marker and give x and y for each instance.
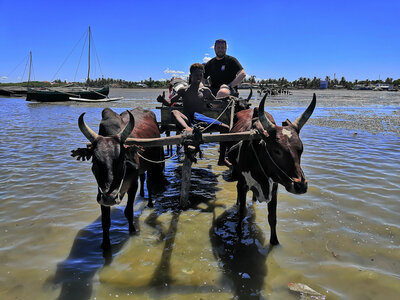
(224, 72)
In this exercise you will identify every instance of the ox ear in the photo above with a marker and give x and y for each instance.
(82, 153)
(124, 133)
(86, 130)
(300, 121)
(286, 123)
(266, 123)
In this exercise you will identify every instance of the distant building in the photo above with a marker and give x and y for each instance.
(338, 86)
(383, 87)
(246, 85)
(323, 84)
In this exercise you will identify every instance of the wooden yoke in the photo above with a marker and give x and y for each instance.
(207, 138)
(190, 151)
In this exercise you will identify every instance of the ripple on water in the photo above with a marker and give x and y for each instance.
(340, 238)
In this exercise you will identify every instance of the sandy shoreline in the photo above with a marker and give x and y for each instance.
(371, 122)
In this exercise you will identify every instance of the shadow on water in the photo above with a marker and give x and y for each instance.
(75, 274)
(241, 257)
(203, 190)
(204, 186)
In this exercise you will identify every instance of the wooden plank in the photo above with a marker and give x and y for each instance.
(185, 182)
(207, 138)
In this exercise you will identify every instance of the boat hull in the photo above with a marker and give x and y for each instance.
(53, 95)
(13, 91)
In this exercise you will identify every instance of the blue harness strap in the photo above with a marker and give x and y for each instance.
(197, 118)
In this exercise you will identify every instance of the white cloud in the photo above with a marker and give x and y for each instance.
(168, 71)
(3, 78)
(206, 58)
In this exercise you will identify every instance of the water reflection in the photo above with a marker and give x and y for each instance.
(242, 258)
(76, 272)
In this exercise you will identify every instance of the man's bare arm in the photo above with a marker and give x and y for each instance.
(175, 98)
(238, 79)
(208, 94)
(161, 99)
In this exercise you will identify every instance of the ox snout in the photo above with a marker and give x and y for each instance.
(297, 187)
(106, 199)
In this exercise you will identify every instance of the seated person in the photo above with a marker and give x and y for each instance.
(193, 97)
(223, 72)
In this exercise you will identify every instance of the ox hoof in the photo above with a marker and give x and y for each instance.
(274, 241)
(132, 230)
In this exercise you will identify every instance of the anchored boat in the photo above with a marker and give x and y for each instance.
(71, 93)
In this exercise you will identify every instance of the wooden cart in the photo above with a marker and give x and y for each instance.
(223, 110)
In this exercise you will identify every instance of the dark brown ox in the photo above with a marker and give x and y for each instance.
(117, 167)
(259, 165)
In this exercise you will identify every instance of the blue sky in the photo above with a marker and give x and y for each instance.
(135, 40)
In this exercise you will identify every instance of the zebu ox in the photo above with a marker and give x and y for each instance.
(259, 165)
(117, 167)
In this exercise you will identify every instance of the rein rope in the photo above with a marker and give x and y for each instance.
(165, 160)
(270, 157)
(120, 185)
(220, 115)
(156, 161)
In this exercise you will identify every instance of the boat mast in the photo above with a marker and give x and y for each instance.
(89, 59)
(30, 66)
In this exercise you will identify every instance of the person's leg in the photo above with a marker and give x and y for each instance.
(224, 91)
(181, 120)
(222, 128)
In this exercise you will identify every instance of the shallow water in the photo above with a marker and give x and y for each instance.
(342, 238)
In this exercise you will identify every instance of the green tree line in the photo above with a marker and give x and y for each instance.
(302, 82)
(315, 82)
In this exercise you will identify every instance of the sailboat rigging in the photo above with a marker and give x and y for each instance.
(72, 93)
(18, 91)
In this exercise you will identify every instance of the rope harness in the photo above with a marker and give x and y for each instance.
(188, 140)
(120, 185)
(272, 160)
(220, 115)
(156, 161)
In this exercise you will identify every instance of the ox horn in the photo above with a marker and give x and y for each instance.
(266, 123)
(86, 130)
(300, 121)
(250, 95)
(124, 133)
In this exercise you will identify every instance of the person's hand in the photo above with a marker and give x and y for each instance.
(161, 98)
(209, 81)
